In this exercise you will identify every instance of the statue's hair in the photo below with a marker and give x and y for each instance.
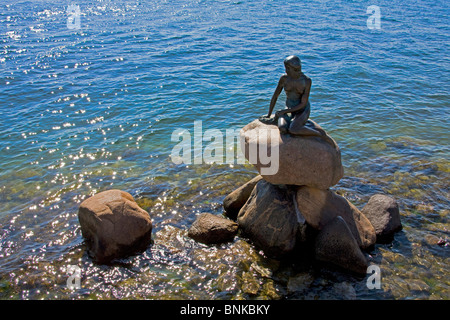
(293, 61)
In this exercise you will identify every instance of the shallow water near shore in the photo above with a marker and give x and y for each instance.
(91, 109)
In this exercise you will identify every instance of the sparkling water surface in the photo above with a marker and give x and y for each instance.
(91, 109)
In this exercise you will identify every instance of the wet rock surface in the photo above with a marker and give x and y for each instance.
(269, 219)
(113, 225)
(209, 229)
(383, 213)
(301, 160)
(319, 207)
(335, 244)
(236, 199)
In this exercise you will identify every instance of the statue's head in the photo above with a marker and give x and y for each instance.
(293, 66)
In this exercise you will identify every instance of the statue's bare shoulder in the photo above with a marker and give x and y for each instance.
(307, 79)
(283, 79)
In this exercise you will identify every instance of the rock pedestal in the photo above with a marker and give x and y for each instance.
(302, 160)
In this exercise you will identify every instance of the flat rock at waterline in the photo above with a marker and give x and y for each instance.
(335, 244)
(319, 207)
(236, 199)
(383, 213)
(302, 160)
(269, 219)
(113, 225)
(209, 228)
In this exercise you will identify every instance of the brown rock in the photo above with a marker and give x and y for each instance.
(209, 228)
(319, 207)
(383, 213)
(269, 219)
(236, 199)
(302, 160)
(335, 244)
(432, 239)
(113, 225)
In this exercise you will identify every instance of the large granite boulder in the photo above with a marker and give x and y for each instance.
(292, 160)
(335, 244)
(319, 207)
(113, 225)
(383, 213)
(270, 220)
(209, 229)
(236, 199)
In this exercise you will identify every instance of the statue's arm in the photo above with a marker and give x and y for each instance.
(304, 100)
(277, 92)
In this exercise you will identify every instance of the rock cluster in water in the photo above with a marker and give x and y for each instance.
(296, 208)
(280, 213)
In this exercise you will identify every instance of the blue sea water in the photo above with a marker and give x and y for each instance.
(90, 109)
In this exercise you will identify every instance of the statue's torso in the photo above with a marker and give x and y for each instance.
(294, 89)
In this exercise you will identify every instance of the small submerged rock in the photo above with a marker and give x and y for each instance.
(209, 229)
(249, 283)
(432, 239)
(418, 285)
(300, 283)
(344, 290)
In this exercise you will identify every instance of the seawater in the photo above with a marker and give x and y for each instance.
(91, 109)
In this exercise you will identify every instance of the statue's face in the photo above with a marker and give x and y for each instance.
(293, 71)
